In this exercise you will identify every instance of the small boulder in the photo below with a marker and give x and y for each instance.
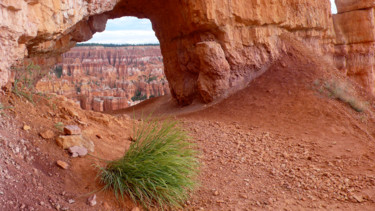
(92, 200)
(26, 127)
(48, 134)
(62, 164)
(75, 140)
(72, 130)
(77, 151)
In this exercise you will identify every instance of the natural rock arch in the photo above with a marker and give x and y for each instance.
(210, 47)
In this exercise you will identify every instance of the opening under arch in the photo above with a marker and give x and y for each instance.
(117, 68)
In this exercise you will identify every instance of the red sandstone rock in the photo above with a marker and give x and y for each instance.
(78, 151)
(72, 130)
(213, 79)
(351, 5)
(62, 164)
(48, 134)
(75, 140)
(355, 41)
(247, 31)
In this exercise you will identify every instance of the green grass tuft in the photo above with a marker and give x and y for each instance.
(341, 91)
(159, 168)
(60, 126)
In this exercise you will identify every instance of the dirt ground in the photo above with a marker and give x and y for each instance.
(279, 144)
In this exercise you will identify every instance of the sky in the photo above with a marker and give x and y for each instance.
(333, 7)
(126, 30)
(131, 30)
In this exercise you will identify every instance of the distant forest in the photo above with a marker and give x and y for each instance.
(116, 45)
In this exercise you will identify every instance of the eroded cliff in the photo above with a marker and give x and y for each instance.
(108, 78)
(211, 48)
(355, 40)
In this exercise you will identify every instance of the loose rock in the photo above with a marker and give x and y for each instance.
(72, 130)
(26, 127)
(78, 151)
(62, 164)
(75, 140)
(358, 198)
(48, 134)
(92, 200)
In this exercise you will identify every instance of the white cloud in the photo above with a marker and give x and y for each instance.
(125, 36)
(126, 30)
(333, 7)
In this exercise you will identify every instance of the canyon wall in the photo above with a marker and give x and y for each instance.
(355, 40)
(44, 29)
(210, 48)
(108, 78)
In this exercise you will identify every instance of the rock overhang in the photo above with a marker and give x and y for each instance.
(210, 47)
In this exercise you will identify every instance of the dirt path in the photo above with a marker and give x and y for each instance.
(281, 144)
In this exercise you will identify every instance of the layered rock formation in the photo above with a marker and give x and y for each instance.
(43, 29)
(355, 40)
(108, 78)
(210, 47)
(241, 35)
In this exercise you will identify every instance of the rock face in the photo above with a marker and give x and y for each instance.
(355, 40)
(108, 78)
(242, 34)
(210, 47)
(45, 28)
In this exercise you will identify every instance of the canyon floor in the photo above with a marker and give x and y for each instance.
(279, 144)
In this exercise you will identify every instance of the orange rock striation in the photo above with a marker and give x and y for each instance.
(210, 48)
(355, 40)
(108, 78)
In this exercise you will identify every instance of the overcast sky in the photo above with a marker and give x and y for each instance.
(129, 30)
(334, 9)
(132, 30)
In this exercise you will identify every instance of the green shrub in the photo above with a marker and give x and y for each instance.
(58, 70)
(138, 96)
(341, 91)
(160, 166)
(25, 80)
(59, 126)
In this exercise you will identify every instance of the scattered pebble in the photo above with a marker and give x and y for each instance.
(78, 151)
(92, 200)
(47, 134)
(26, 127)
(62, 164)
(72, 130)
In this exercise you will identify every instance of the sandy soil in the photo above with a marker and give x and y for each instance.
(279, 144)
